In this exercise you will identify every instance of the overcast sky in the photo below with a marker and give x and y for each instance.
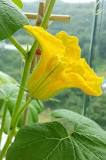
(71, 1)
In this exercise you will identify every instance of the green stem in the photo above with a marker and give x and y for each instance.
(22, 109)
(3, 119)
(6, 145)
(21, 90)
(85, 104)
(18, 46)
(12, 132)
(47, 14)
(24, 79)
(25, 116)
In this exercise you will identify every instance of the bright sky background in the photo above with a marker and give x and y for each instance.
(71, 1)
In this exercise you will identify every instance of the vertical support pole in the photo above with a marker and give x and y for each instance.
(40, 13)
(38, 23)
(92, 52)
(93, 36)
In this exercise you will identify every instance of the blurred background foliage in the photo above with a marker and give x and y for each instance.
(81, 26)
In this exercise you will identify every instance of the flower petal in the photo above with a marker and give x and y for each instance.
(80, 75)
(71, 44)
(50, 45)
(76, 75)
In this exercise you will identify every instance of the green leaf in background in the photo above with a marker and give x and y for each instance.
(74, 137)
(4, 78)
(18, 3)
(11, 19)
(7, 122)
(8, 92)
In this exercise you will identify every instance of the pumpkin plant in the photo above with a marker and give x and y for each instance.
(60, 65)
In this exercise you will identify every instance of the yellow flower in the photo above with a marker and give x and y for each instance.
(60, 66)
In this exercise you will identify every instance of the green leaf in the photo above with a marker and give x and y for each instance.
(32, 115)
(11, 19)
(7, 123)
(38, 105)
(72, 138)
(4, 78)
(9, 91)
(18, 3)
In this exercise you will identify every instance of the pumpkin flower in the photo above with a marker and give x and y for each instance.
(60, 66)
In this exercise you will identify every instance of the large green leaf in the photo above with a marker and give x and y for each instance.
(73, 137)
(18, 3)
(11, 19)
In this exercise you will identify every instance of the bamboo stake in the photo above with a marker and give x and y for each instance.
(53, 17)
(40, 13)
